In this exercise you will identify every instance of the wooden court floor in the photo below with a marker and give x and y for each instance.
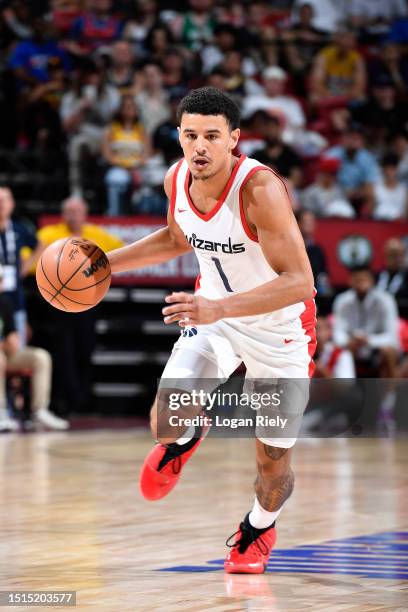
(72, 519)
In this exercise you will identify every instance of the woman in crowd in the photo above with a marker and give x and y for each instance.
(125, 148)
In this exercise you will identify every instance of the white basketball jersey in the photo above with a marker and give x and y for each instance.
(230, 258)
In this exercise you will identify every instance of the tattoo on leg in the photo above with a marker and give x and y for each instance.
(274, 452)
(272, 492)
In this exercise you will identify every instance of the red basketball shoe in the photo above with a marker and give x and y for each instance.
(250, 550)
(163, 465)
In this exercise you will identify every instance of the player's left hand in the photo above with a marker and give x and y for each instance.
(188, 309)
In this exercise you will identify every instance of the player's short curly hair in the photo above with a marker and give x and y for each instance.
(210, 101)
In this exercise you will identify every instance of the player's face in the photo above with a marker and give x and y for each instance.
(207, 142)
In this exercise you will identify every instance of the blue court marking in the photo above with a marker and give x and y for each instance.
(378, 555)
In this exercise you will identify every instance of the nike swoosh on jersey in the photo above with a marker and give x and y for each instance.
(286, 341)
(181, 209)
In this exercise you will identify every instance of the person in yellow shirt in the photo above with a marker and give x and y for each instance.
(74, 334)
(74, 213)
(339, 70)
(125, 147)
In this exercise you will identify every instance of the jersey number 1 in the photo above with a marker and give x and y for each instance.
(222, 274)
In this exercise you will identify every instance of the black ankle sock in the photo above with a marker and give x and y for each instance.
(175, 450)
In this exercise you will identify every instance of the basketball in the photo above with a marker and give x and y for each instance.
(73, 274)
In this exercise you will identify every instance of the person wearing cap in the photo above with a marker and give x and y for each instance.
(324, 197)
(287, 109)
(14, 357)
(274, 100)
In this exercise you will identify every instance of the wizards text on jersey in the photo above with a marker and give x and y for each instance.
(209, 245)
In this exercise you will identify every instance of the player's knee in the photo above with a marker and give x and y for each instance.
(273, 461)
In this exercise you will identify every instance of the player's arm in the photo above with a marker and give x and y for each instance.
(270, 215)
(269, 212)
(164, 244)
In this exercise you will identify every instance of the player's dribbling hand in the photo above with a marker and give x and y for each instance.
(189, 309)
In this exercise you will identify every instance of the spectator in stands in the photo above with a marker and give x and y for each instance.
(260, 32)
(328, 15)
(399, 31)
(374, 15)
(275, 100)
(142, 19)
(157, 43)
(317, 258)
(121, 71)
(74, 214)
(14, 357)
(96, 29)
(125, 147)
(196, 26)
(324, 197)
(394, 277)
(390, 194)
(359, 170)
(151, 98)
(366, 323)
(13, 237)
(339, 71)
(74, 335)
(40, 122)
(225, 40)
(278, 155)
(382, 115)
(366, 320)
(166, 136)
(30, 60)
(399, 146)
(63, 13)
(175, 73)
(85, 111)
(301, 43)
(217, 78)
(235, 79)
(331, 361)
(15, 16)
(392, 65)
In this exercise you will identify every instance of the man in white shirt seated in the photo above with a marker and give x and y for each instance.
(366, 323)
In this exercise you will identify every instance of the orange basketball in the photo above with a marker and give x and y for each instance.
(73, 274)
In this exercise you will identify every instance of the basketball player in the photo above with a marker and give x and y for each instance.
(254, 300)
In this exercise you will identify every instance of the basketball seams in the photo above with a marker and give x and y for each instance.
(94, 284)
(50, 293)
(58, 292)
(92, 257)
(63, 285)
(59, 259)
(90, 286)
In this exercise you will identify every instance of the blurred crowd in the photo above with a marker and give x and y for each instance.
(92, 87)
